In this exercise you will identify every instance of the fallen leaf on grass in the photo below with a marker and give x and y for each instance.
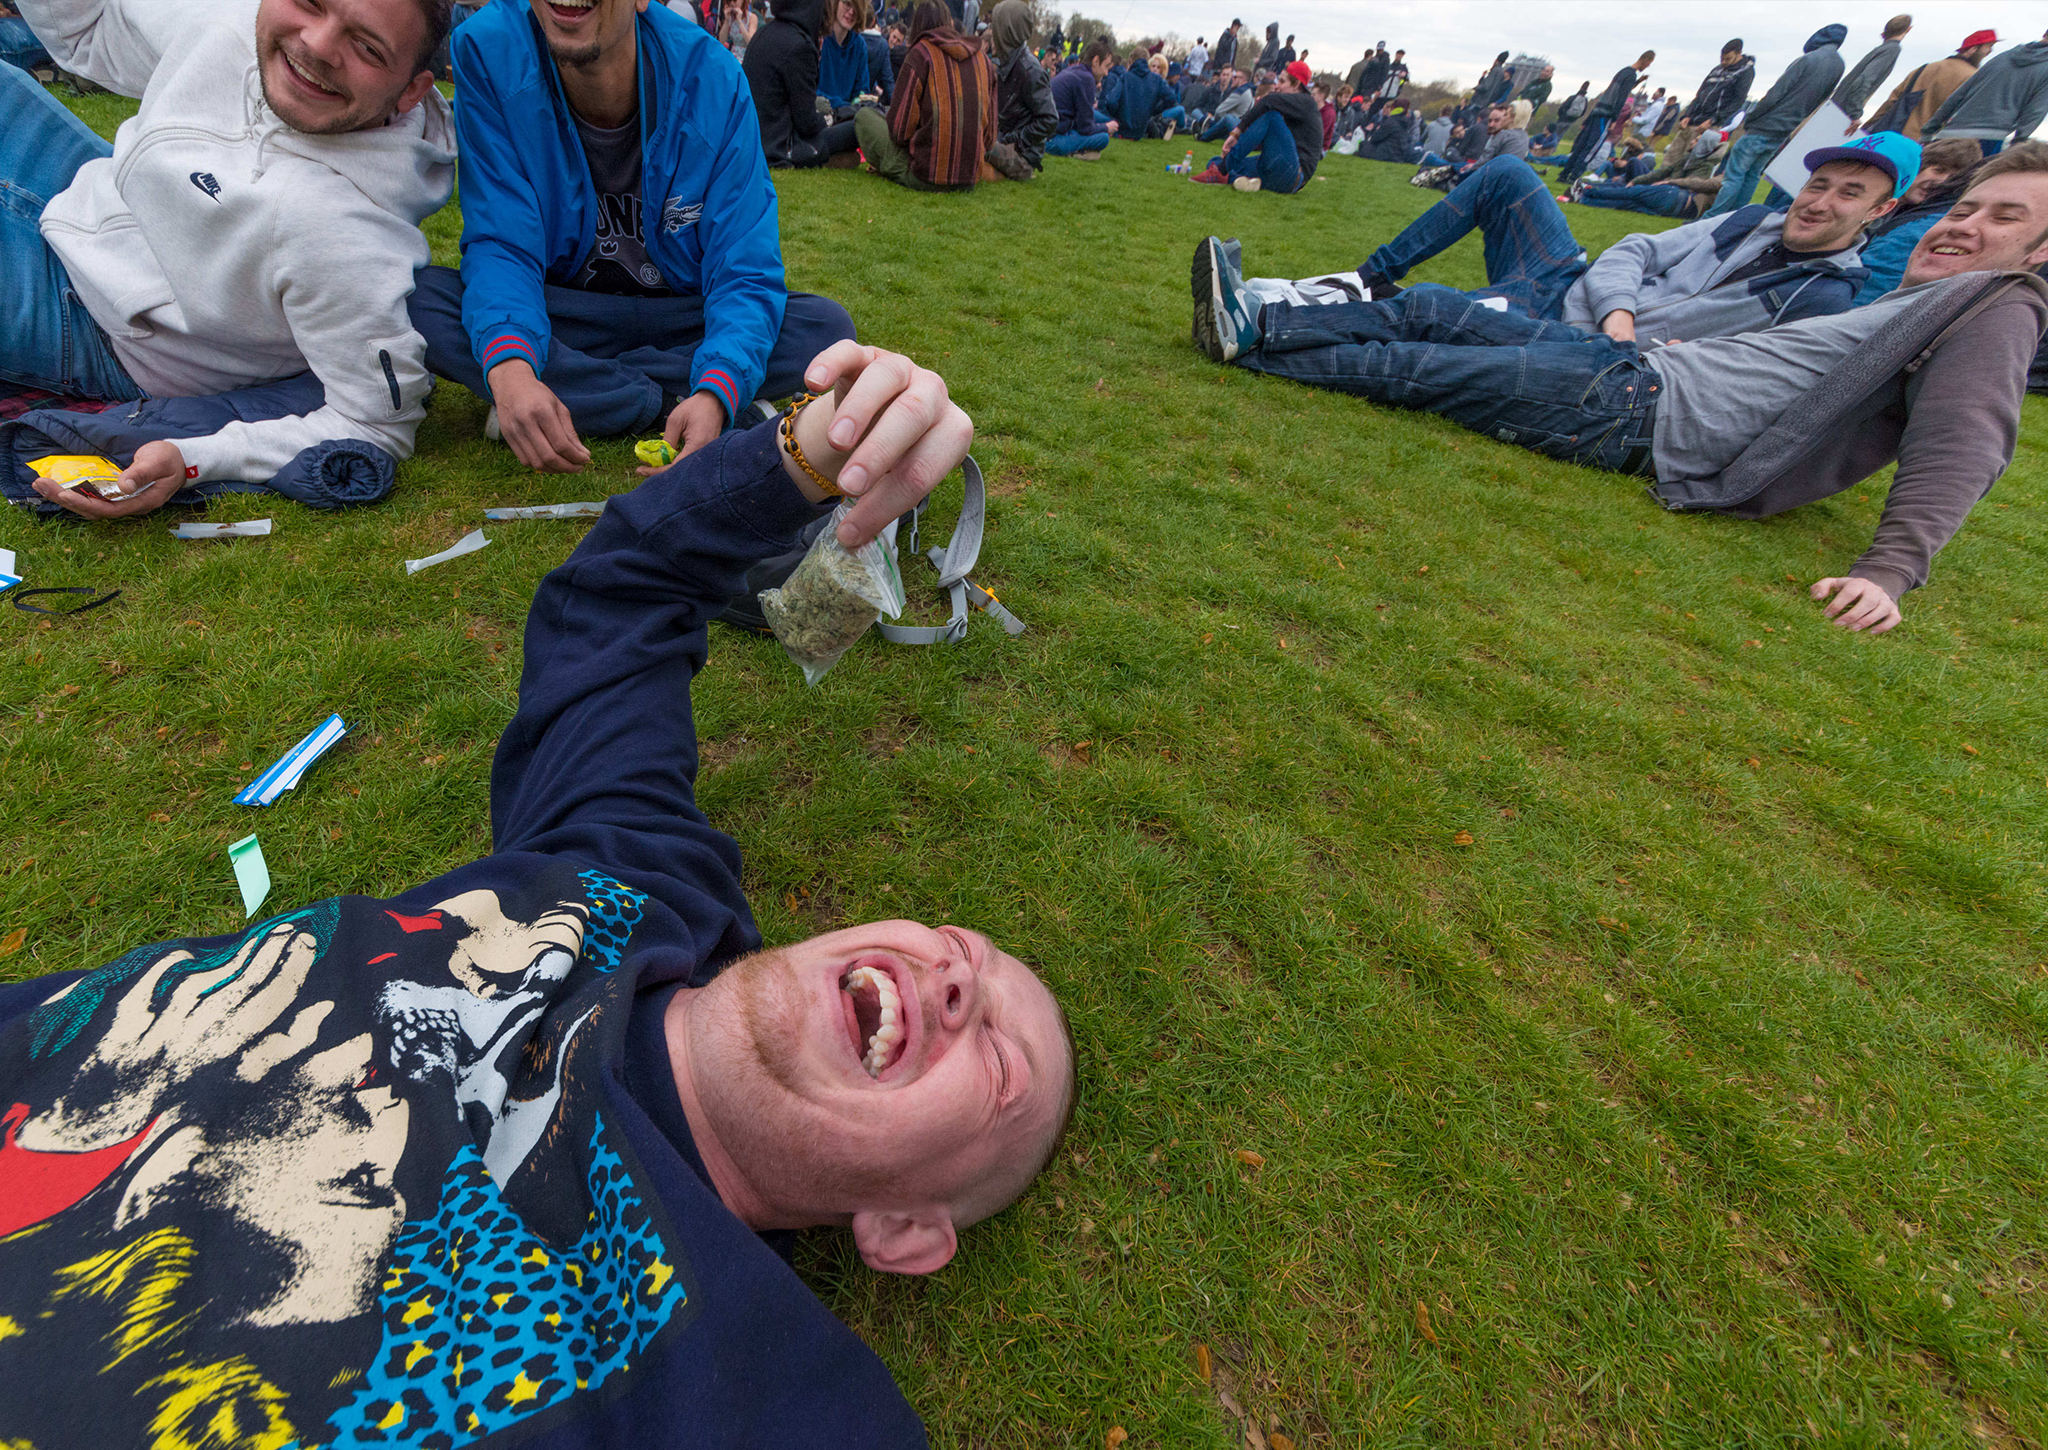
(1463, 838)
(13, 941)
(1116, 1436)
(1250, 1159)
(1204, 1366)
(1422, 1321)
(1967, 749)
(73, 689)
(1752, 762)
(162, 818)
(1279, 1441)
(1610, 922)
(1423, 570)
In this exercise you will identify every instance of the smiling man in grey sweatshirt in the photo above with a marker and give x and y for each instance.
(257, 218)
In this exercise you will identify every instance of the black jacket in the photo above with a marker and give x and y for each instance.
(1721, 94)
(1025, 114)
(1304, 120)
(782, 72)
(1609, 101)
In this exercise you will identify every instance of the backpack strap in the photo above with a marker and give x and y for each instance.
(1990, 295)
(953, 563)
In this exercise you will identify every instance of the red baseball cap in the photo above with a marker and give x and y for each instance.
(1300, 71)
(1979, 37)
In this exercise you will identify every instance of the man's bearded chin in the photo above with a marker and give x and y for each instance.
(766, 997)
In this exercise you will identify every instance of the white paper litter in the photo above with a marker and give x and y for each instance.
(468, 544)
(547, 511)
(8, 578)
(248, 529)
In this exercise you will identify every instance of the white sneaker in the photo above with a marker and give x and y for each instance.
(1246, 183)
(491, 429)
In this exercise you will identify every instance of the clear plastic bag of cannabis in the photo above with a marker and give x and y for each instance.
(834, 595)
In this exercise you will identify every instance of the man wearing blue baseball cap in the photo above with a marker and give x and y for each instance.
(1715, 277)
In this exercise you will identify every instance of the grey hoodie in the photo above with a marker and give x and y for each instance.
(218, 247)
(1805, 84)
(1866, 76)
(1671, 280)
(2007, 97)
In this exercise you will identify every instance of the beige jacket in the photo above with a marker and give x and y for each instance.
(1935, 82)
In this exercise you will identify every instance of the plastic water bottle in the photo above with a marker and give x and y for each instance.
(1187, 164)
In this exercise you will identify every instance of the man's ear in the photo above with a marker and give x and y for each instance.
(1887, 209)
(919, 1242)
(415, 91)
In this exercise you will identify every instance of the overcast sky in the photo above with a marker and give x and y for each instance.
(1586, 39)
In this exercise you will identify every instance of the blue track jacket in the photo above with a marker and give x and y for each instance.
(529, 209)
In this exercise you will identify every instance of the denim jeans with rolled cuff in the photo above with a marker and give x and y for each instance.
(47, 338)
(1545, 386)
(1532, 258)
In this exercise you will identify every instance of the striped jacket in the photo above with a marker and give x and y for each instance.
(945, 110)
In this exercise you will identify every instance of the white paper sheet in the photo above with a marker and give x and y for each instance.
(547, 511)
(1829, 126)
(248, 529)
(468, 544)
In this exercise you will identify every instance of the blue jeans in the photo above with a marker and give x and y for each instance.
(1068, 142)
(1747, 159)
(1656, 199)
(1582, 397)
(1431, 158)
(1222, 126)
(1266, 149)
(1532, 258)
(47, 338)
(18, 44)
(1175, 116)
(615, 361)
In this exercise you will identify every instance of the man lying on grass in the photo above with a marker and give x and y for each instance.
(1931, 376)
(1754, 269)
(501, 1149)
(256, 219)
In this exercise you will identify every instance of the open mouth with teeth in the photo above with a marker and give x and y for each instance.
(876, 1019)
(570, 11)
(305, 78)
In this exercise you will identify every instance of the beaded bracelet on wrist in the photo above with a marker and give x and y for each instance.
(787, 430)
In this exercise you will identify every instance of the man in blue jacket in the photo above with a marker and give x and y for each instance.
(621, 261)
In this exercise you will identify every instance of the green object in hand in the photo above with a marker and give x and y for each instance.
(655, 453)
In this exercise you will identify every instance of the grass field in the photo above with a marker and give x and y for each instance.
(1537, 982)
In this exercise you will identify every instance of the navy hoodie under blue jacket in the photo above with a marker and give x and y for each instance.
(529, 210)
(413, 1171)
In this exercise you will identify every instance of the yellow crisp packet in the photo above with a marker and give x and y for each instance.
(655, 453)
(73, 469)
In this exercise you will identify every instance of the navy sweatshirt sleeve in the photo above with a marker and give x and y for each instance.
(600, 762)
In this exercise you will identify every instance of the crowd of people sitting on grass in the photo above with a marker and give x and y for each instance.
(458, 1159)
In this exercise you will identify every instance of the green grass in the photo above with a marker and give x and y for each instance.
(1699, 1097)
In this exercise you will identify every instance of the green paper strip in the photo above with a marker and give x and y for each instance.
(252, 874)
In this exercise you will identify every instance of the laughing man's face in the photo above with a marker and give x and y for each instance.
(1997, 225)
(333, 66)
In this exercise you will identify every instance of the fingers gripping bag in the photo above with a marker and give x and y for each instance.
(833, 597)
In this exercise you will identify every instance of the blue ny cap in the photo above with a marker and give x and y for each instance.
(1888, 151)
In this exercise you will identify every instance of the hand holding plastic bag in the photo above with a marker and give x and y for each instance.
(834, 596)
